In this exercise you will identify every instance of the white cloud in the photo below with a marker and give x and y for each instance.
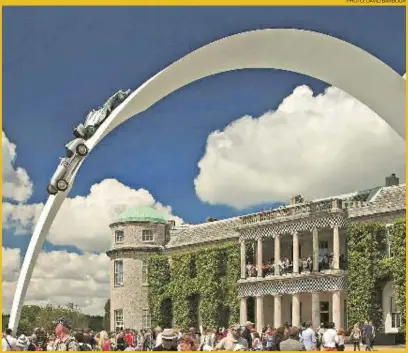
(83, 221)
(60, 278)
(16, 182)
(313, 145)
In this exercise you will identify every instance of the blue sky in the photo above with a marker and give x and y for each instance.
(58, 63)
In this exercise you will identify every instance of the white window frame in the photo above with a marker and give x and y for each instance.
(122, 237)
(146, 319)
(145, 272)
(118, 277)
(118, 323)
(147, 238)
(395, 314)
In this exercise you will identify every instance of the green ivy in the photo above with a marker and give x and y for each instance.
(159, 279)
(204, 281)
(398, 265)
(369, 269)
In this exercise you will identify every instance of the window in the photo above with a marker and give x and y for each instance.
(395, 314)
(144, 272)
(119, 236)
(118, 320)
(323, 247)
(118, 272)
(147, 235)
(323, 244)
(324, 312)
(146, 319)
(324, 307)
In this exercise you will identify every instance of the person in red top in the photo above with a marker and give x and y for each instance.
(129, 338)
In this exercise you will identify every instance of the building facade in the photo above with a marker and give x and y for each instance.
(303, 234)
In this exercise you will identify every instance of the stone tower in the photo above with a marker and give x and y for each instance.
(137, 234)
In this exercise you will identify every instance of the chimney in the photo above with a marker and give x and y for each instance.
(296, 199)
(392, 180)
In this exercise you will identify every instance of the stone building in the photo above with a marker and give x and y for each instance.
(302, 229)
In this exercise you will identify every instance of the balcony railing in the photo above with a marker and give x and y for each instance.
(304, 209)
(286, 268)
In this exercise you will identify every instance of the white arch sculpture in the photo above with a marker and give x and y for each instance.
(326, 58)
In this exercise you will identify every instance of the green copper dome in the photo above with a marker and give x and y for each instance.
(141, 214)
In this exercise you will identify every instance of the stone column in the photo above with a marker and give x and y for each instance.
(315, 250)
(259, 256)
(243, 260)
(295, 252)
(259, 313)
(277, 320)
(336, 247)
(277, 254)
(315, 310)
(243, 311)
(296, 310)
(336, 309)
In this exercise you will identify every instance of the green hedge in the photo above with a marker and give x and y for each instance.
(369, 269)
(203, 281)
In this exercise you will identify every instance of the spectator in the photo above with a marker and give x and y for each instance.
(308, 337)
(368, 335)
(168, 341)
(292, 343)
(104, 341)
(257, 344)
(22, 343)
(329, 338)
(355, 336)
(187, 343)
(278, 337)
(373, 338)
(33, 346)
(8, 342)
(246, 333)
(65, 341)
(340, 340)
(232, 340)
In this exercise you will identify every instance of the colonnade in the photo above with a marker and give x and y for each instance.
(296, 307)
(295, 241)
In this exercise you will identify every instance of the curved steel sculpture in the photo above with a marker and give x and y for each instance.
(326, 58)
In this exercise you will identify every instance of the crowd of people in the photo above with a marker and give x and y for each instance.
(285, 265)
(235, 338)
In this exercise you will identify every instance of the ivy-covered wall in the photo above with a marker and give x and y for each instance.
(197, 284)
(370, 268)
(396, 266)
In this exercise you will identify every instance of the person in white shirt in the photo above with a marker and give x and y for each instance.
(158, 332)
(329, 338)
(8, 343)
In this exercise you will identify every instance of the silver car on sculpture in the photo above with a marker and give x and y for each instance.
(76, 151)
(96, 117)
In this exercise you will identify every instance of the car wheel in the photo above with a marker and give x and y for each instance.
(51, 190)
(82, 150)
(62, 185)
